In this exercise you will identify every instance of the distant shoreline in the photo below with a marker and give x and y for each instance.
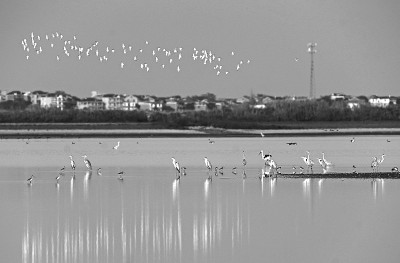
(191, 132)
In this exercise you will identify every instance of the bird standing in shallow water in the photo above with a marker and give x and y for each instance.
(177, 167)
(72, 163)
(325, 160)
(120, 175)
(244, 162)
(208, 164)
(374, 164)
(234, 170)
(380, 161)
(87, 162)
(265, 157)
(30, 179)
(308, 161)
(116, 146)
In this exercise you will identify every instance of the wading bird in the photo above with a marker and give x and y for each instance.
(99, 171)
(322, 163)
(325, 161)
(265, 157)
(30, 179)
(308, 161)
(72, 163)
(116, 146)
(244, 162)
(87, 162)
(208, 164)
(380, 161)
(120, 175)
(176, 166)
(374, 164)
(234, 170)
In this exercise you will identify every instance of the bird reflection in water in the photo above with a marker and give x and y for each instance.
(377, 186)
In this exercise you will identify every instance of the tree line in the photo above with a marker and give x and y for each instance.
(236, 116)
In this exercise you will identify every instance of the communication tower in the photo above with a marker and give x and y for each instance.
(312, 51)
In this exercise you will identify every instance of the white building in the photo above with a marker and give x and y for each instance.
(383, 102)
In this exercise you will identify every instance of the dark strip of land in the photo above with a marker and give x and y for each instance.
(141, 130)
(378, 175)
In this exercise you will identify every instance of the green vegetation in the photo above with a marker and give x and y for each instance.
(276, 115)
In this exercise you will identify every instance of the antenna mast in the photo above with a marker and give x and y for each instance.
(312, 51)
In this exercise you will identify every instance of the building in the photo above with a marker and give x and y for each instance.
(53, 100)
(201, 105)
(337, 96)
(112, 101)
(36, 96)
(383, 102)
(130, 103)
(354, 103)
(90, 104)
(15, 95)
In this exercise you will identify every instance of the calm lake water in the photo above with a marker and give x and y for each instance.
(151, 217)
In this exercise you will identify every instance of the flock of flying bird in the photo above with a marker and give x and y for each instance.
(270, 167)
(143, 58)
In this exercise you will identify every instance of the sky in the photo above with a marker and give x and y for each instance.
(358, 47)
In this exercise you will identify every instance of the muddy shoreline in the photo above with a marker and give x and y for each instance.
(191, 132)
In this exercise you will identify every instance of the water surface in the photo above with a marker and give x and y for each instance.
(151, 217)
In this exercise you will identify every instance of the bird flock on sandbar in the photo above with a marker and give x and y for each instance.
(270, 168)
(144, 56)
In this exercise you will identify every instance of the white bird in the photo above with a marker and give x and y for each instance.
(116, 146)
(325, 161)
(374, 164)
(208, 164)
(87, 162)
(244, 162)
(352, 140)
(262, 134)
(381, 160)
(308, 161)
(265, 157)
(176, 166)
